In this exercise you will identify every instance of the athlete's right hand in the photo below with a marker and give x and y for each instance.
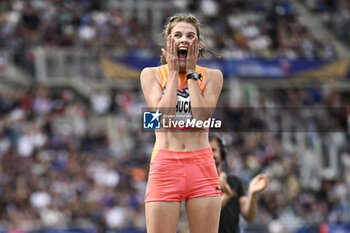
(171, 54)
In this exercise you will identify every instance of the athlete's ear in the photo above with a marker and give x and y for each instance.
(163, 52)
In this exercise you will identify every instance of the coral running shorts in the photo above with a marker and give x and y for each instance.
(177, 175)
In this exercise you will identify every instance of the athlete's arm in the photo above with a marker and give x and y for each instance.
(206, 102)
(248, 203)
(153, 92)
(151, 86)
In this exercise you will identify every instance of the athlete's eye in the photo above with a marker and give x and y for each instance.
(177, 35)
(190, 36)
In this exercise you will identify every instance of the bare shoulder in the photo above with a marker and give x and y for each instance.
(148, 73)
(214, 74)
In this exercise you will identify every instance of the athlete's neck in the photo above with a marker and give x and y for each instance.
(182, 71)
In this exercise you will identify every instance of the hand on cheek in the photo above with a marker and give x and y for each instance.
(192, 55)
(171, 54)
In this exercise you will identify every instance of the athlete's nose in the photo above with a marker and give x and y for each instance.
(184, 40)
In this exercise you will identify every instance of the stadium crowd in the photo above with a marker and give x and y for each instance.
(55, 171)
(237, 29)
(64, 163)
(335, 14)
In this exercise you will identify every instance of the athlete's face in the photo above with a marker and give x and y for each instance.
(183, 33)
(215, 146)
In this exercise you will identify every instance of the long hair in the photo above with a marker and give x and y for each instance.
(203, 49)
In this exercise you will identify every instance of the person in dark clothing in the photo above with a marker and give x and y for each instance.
(234, 202)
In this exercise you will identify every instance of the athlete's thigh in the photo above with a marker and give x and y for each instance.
(162, 217)
(203, 214)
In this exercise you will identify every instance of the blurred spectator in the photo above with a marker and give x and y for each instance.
(100, 102)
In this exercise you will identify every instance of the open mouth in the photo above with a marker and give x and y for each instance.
(182, 53)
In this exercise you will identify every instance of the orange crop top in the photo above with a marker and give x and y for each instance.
(183, 104)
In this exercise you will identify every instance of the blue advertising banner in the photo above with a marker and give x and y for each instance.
(129, 68)
(339, 228)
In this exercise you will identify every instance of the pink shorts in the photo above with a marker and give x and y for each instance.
(177, 175)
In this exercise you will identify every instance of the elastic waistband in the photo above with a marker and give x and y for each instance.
(182, 157)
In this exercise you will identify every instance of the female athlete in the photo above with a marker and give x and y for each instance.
(182, 165)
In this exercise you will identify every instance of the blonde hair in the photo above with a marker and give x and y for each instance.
(193, 21)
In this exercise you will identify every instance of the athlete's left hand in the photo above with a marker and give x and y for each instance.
(192, 55)
(258, 183)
